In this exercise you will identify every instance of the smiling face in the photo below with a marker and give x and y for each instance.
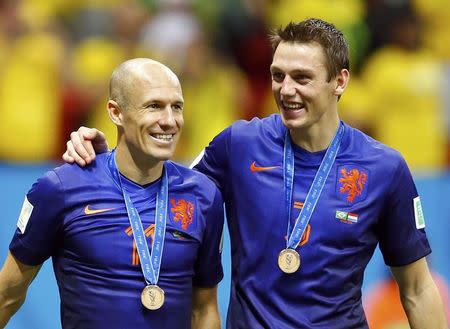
(304, 94)
(150, 119)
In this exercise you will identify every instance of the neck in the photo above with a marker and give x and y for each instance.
(139, 169)
(316, 137)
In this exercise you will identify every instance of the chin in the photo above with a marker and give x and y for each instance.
(162, 155)
(293, 124)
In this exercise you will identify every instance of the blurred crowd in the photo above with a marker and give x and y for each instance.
(56, 57)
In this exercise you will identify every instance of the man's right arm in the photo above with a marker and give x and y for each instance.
(15, 277)
(83, 145)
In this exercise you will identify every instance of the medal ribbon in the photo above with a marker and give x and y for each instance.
(150, 264)
(314, 191)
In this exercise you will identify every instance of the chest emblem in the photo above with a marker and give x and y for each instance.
(347, 217)
(352, 183)
(183, 212)
(255, 168)
(89, 211)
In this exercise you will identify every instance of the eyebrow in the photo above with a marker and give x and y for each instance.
(161, 101)
(295, 71)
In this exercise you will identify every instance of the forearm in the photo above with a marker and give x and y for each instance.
(9, 304)
(425, 309)
(206, 318)
(15, 278)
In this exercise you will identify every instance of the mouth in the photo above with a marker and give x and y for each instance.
(164, 138)
(291, 106)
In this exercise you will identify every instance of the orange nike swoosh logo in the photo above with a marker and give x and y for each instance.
(88, 211)
(255, 168)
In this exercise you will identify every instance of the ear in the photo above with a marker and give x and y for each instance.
(115, 113)
(342, 80)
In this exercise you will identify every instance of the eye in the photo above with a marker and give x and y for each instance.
(177, 107)
(277, 76)
(302, 79)
(152, 106)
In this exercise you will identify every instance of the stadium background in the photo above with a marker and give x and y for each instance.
(56, 57)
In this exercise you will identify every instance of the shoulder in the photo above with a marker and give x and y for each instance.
(191, 185)
(72, 174)
(180, 175)
(241, 132)
(270, 125)
(46, 185)
(368, 149)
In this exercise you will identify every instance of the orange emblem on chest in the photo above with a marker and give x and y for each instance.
(183, 212)
(352, 183)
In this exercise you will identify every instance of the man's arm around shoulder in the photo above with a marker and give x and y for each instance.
(15, 278)
(205, 312)
(419, 296)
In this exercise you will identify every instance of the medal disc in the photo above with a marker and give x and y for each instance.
(152, 297)
(288, 260)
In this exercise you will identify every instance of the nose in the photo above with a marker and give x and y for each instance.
(167, 118)
(287, 86)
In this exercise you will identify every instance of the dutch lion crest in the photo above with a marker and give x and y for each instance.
(352, 183)
(183, 212)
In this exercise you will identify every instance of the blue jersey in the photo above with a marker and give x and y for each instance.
(369, 198)
(78, 217)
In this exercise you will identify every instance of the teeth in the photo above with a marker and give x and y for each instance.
(164, 137)
(293, 106)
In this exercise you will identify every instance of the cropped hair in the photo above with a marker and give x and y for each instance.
(325, 34)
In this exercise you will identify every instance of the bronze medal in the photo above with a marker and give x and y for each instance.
(288, 260)
(152, 297)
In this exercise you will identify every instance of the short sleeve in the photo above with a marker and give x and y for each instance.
(208, 267)
(39, 224)
(214, 162)
(402, 240)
